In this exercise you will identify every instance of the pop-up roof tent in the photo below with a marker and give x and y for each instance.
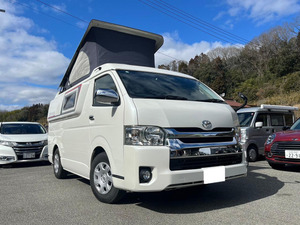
(110, 43)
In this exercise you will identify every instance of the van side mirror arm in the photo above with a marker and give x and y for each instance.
(242, 96)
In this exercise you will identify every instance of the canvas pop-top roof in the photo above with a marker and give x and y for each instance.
(110, 43)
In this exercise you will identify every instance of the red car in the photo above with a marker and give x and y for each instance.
(283, 147)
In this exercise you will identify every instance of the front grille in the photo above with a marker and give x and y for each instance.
(206, 140)
(278, 148)
(196, 129)
(205, 161)
(195, 148)
(28, 147)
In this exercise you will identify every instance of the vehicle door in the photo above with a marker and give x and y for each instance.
(106, 121)
(277, 121)
(260, 134)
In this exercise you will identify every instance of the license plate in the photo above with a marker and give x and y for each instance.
(28, 155)
(292, 154)
(214, 174)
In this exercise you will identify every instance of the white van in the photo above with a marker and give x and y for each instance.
(137, 128)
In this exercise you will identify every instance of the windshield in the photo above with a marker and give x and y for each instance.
(245, 118)
(22, 129)
(161, 86)
(296, 125)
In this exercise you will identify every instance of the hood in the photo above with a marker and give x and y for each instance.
(177, 113)
(288, 135)
(24, 137)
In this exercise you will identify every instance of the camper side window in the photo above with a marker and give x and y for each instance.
(104, 82)
(70, 100)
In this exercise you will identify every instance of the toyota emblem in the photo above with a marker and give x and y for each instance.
(206, 124)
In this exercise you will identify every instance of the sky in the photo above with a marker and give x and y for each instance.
(39, 37)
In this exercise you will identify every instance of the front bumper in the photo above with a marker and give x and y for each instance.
(8, 155)
(158, 159)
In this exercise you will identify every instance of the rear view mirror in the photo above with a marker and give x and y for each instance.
(258, 124)
(106, 96)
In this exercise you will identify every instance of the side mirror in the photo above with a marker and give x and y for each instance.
(106, 96)
(223, 95)
(258, 124)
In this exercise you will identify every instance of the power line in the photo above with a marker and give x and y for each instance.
(194, 22)
(168, 55)
(37, 11)
(202, 21)
(69, 14)
(60, 10)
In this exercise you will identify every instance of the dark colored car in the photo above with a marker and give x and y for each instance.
(283, 147)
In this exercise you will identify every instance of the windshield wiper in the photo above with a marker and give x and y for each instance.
(211, 100)
(174, 97)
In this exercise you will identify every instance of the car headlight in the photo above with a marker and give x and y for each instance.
(237, 133)
(244, 136)
(7, 143)
(45, 142)
(144, 135)
(270, 139)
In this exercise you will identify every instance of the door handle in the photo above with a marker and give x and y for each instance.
(91, 117)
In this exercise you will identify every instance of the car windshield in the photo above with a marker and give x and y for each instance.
(22, 129)
(296, 125)
(161, 86)
(245, 118)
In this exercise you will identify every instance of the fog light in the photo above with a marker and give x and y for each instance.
(145, 174)
(270, 154)
(7, 158)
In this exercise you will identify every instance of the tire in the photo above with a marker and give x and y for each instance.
(58, 170)
(252, 154)
(277, 166)
(101, 180)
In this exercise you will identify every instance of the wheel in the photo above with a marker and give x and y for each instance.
(252, 154)
(277, 166)
(59, 171)
(101, 180)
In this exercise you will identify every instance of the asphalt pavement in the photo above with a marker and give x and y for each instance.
(30, 194)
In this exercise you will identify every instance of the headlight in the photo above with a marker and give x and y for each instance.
(244, 135)
(45, 142)
(7, 143)
(270, 139)
(142, 135)
(237, 133)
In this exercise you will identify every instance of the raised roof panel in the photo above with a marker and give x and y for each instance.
(110, 43)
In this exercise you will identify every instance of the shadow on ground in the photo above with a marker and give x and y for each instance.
(209, 197)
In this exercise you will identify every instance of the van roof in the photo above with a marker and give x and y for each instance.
(117, 66)
(110, 43)
(266, 108)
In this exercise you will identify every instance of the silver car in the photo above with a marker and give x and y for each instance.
(257, 123)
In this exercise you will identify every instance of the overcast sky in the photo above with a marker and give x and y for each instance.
(39, 37)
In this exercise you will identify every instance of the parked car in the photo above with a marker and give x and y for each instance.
(127, 126)
(257, 123)
(283, 147)
(22, 142)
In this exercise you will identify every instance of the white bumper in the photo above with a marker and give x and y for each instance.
(158, 159)
(8, 155)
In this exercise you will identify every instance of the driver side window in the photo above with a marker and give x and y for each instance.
(104, 82)
(262, 118)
